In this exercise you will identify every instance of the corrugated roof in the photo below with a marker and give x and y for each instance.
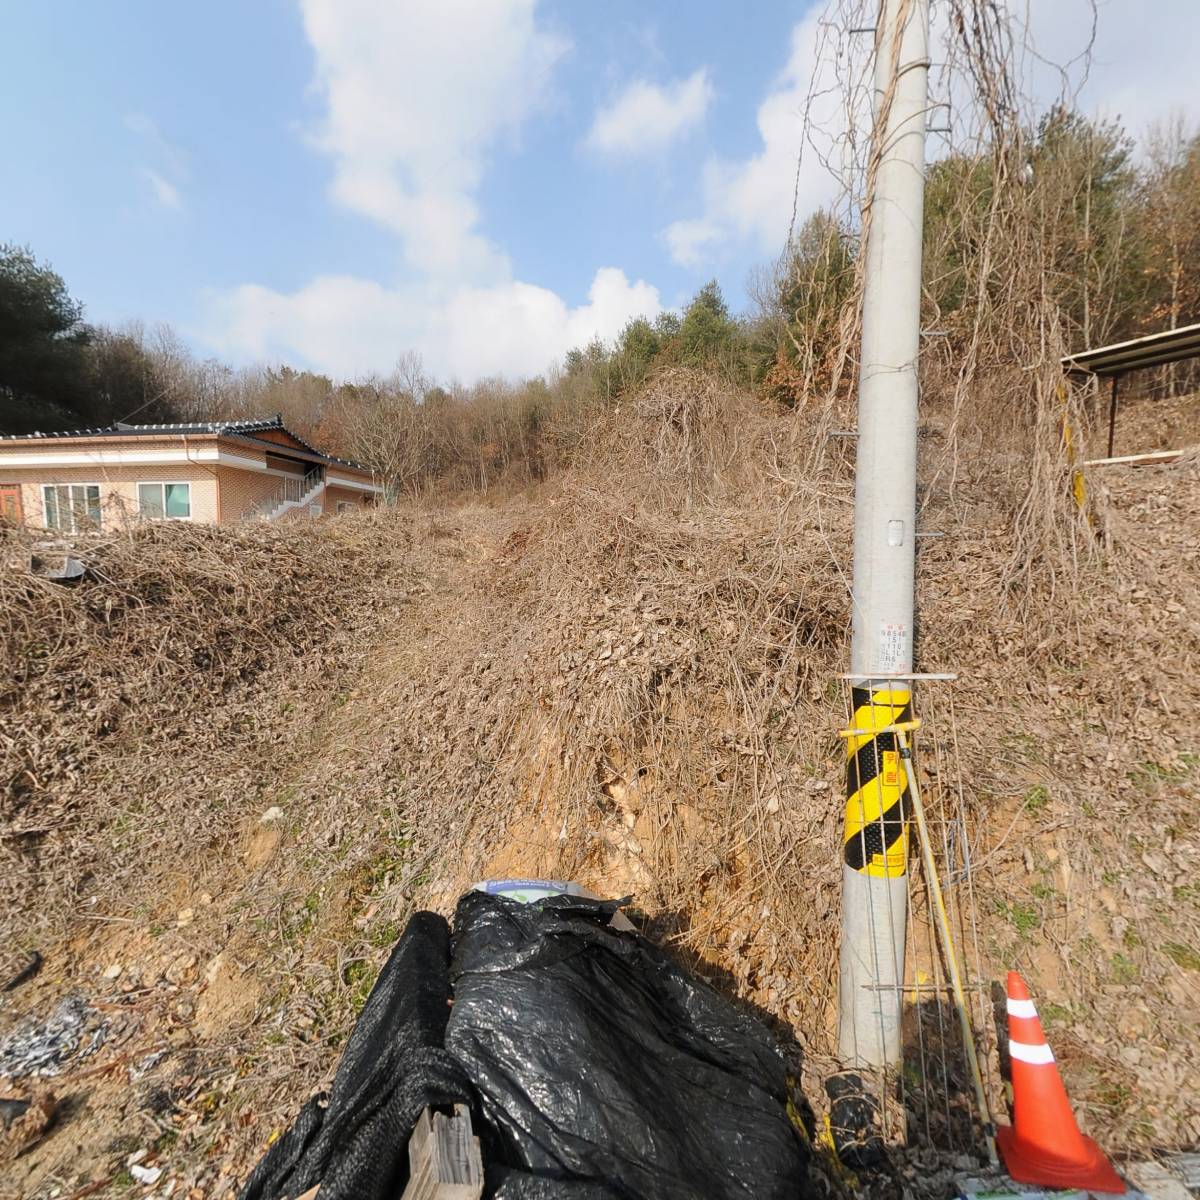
(1153, 350)
(243, 429)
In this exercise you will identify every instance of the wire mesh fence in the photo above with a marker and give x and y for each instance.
(943, 1089)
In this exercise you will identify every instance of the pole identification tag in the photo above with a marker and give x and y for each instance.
(895, 647)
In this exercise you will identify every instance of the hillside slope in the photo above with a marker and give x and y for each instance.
(629, 679)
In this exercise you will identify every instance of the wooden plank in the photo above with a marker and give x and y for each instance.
(444, 1162)
(1136, 460)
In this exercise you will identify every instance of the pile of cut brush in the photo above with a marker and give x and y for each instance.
(641, 695)
(636, 694)
(173, 642)
(629, 680)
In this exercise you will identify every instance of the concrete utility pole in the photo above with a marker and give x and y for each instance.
(874, 888)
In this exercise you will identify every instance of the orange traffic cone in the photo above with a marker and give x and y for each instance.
(1043, 1145)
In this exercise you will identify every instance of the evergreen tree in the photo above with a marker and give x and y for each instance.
(43, 347)
(706, 328)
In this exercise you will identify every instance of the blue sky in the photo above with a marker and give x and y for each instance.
(334, 182)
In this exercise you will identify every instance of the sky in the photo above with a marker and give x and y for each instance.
(332, 183)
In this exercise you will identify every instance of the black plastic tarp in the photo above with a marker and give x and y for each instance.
(598, 1061)
(354, 1142)
(595, 1066)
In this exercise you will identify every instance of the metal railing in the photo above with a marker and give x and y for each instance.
(292, 490)
(295, 489)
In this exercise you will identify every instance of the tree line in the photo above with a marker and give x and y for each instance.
(1071, 215)
(59, 372)
(1106, 231)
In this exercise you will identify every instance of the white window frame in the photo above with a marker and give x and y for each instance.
(346, 506)
(73, 531)
(162, 483)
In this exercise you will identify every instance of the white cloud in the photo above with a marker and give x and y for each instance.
(750, 200)
(167, 178)
(165, 192)
(689, 241)
(417, 94)
(1138, 71)
(647, 117)
(347, 326)
(174, 160)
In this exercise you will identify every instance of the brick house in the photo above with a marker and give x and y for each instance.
(216, 472)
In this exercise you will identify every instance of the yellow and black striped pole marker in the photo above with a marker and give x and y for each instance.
(875, 835)
(874, 875)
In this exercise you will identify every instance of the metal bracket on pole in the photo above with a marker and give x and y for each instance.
(888, 676)
(896, 727)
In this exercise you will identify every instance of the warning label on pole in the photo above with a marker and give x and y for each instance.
(895, 647)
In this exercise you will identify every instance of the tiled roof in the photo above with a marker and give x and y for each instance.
(121, 429)
(221, 428)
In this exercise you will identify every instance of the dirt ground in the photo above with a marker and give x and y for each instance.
(612, 695)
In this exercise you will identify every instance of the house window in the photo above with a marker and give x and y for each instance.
(71, 507)
(344, 506)
(172, 501)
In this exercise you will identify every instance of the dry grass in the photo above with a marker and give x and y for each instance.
(627, 682)
(183, 645)
(638, 694)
